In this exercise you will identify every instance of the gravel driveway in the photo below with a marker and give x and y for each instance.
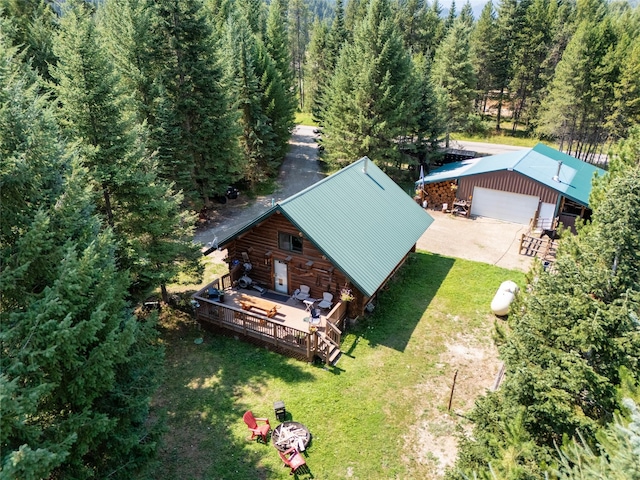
(480, 239)
(299, 170)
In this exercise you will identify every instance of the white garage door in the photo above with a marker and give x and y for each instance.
(511, 207)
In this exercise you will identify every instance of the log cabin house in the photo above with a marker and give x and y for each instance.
(348, 233)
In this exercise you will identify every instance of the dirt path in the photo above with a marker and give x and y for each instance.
(299, 170)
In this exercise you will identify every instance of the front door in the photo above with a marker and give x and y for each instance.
(280, 274)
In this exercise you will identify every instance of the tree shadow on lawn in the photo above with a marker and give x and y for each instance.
(204, 396)
(402, 304)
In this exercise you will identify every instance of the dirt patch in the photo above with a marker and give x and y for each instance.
(434, 442)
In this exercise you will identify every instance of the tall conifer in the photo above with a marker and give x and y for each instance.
(282, 108)
(258, 140)
(453, 75)
(153, 233)
(77, 368)
(370, 102)
(197, 137)
(317, 69)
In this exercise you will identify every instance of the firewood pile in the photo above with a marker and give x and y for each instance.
(439, 193)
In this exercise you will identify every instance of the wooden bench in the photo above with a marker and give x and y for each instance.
(248, 302)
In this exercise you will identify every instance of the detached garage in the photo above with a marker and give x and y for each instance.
(538, 183)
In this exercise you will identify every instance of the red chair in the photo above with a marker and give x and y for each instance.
(294, 460)
(257, 430)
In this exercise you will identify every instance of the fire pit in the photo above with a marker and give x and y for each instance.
(291, 434)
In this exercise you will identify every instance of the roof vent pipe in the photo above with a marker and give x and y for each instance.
(364, 168)
(556, 177)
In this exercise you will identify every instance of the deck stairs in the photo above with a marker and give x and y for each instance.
(328, 350)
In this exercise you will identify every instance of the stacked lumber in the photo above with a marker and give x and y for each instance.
(439, 193)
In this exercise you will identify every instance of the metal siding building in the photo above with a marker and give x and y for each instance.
(506, 181)
(519, 180)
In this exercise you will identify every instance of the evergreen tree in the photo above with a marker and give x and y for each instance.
(299, 39)
(508, 25)
(278, 105)
(31, 27)
(429, 119)
(197, 128)
(581, 94)
(434, 30)
(453, 75)
(466, 14)
(255, 14)
(338, 36)
(626, 106)
(451, 17)
(219, 12)
(153, 234)
(410, 18)
(126, 29)
(317, 69)
(533, 45)
(369, 103)
(483, 51)
(281, 90)
(258, 141)
(618, 455)
(355, 11)
(77, 368)
(324, 51)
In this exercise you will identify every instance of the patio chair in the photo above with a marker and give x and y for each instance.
(302, 293)
(327, 300)
(293, 459)
(256, 430)
(315, 316)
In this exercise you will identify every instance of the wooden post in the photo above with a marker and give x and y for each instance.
(453, 386)
(521, 242)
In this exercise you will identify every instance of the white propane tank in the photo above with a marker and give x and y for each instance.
(504, 297)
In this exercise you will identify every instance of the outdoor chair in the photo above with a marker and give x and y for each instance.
(327, 300)
(315, 316)
(260, 431)
(302, 293)
(293, 459)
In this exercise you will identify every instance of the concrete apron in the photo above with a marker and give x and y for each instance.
(478, 238)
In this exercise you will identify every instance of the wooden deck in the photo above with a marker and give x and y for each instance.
(278, 324)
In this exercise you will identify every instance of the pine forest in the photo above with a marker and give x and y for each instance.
(122, 120)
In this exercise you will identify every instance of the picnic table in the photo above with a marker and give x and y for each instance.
(247, 302)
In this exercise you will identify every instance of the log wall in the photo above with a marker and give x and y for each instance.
(261, 245)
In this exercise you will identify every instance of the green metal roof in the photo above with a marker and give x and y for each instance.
(539, 163)
(359, 218)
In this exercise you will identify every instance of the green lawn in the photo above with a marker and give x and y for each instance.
(502, 139)
(381, 413)
(305, 118)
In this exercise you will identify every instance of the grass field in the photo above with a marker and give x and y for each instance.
(305, 118)
(380, 413)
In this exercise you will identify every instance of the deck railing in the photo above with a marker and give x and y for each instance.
(267, 330)
(256, 326)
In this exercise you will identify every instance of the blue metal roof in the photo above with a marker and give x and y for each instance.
(539, 163)
(359, 218)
